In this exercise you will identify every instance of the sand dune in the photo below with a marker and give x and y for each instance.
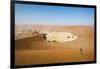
(36, 50)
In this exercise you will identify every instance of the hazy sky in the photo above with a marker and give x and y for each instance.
(53, 15)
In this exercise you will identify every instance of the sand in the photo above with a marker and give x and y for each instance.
(36, 50)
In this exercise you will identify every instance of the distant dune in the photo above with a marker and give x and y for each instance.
(51, 27)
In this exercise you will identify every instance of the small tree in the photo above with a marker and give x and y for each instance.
(35, 32)
(44, 36)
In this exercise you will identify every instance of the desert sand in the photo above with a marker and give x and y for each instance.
(33, 50)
